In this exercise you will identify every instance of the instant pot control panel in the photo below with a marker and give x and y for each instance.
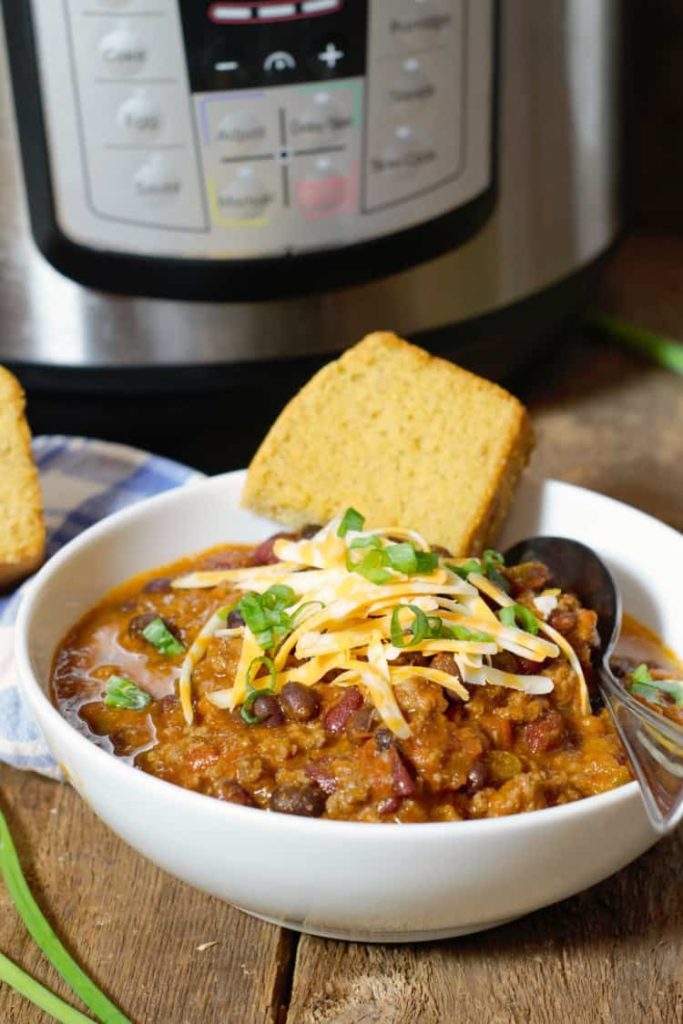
(219, 130)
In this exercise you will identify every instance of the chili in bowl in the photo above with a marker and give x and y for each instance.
(443, 714)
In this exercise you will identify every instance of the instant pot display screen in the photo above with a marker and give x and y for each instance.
(242, 45)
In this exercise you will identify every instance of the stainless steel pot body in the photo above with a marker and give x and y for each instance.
(557, 211)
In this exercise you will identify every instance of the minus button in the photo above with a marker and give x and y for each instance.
(227, 65)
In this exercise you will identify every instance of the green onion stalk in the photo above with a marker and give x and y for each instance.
(43, 935)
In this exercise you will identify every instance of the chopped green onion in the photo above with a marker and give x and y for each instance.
(519, 614)
(464, 570)
(246, 713)
(654, 690)
(427, 561)
(436, 627)
(351, 520)
(43, 935)
(371, 541)
(402, 557)
(419, 627)
(278, 597)
(124, 693)
(296, 617)
(253, 613)
(159, 635)
(265, 614)
(470, 635)
(641, 674)
(255, 665)
(492, 562)
(255, 691)
(372, 566)
(674, 687)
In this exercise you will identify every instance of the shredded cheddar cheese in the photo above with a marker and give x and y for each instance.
(345, 614)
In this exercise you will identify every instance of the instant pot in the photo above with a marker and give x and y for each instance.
(230, 192)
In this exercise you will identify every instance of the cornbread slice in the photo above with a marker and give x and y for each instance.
(406, 438)
(22, 530)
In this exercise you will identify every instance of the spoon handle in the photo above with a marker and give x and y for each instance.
(655, 749)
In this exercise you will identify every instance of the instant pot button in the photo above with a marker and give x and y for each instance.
(321, 121)
(240, 128)
(329, 55)
(403, 156)
(140, 117)
(246, 197)
(122, 52)
(420, 23)
(156, 180)
(411, 85)
(324, 190)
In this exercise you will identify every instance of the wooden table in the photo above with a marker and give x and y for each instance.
(612, 954)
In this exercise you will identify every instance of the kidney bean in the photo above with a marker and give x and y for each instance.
(300, 703)
(307, 801)
(384, 739)
(389, 805)
(320, 773)
(337, 717)
(268, 711)
(545, 733)
(237, 558)
(159, 585)
(233, 793)
(234, 620)
(264, 554)
(401, 779)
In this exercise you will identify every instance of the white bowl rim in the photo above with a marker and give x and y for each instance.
(421, 831)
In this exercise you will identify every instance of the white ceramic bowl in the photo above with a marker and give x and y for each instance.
(348, 880)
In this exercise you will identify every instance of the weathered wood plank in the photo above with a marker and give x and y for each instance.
(611, 955)
(133, 928)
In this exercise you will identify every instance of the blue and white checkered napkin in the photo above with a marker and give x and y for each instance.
(83, 481)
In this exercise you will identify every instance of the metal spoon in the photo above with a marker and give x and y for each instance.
(654, 744)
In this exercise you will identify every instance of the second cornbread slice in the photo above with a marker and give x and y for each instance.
(407, 438)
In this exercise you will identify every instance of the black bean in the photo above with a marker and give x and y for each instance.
(299, 702)
(233, 793)
(159, 585)
(139, 623)
(235, 620)
(439, 549)
(268, 711)
(384, 739)
(306, 801)
(477, 777)
(309, 531)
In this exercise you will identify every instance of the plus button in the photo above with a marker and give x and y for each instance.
(331, 56)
